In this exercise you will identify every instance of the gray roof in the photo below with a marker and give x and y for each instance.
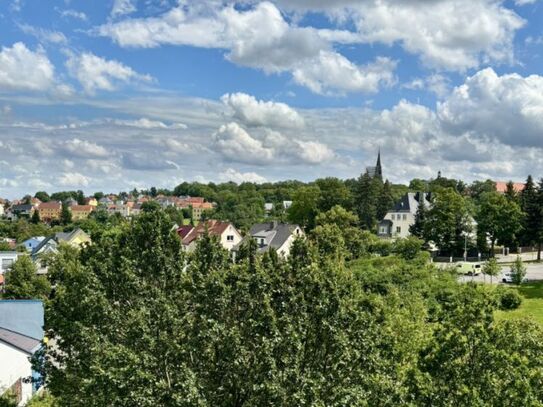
(19, 341)
(409, 203)
(275, 234)
(43, 243)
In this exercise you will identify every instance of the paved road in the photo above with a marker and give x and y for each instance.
(534, 272)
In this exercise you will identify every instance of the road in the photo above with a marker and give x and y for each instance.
(534, 272)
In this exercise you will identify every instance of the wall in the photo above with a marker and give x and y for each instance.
(230, 244)
(403, 224)
(14, 365)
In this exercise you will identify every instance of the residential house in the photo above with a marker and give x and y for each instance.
(105, 201)
(397, 221)
(198, 210)
(268, 207)
(50, 211)
(3, 203)
(71, 202)
(22, 210)
(21, 335)
(11, 242)
(75, 238)
(287, 205)
(501, 187)
(91, 201)
(80, 212)
(228, 235)
(32, 243)
(7, 259)
(122, 209)
(46, 246)
(275, 236)
(135, 210)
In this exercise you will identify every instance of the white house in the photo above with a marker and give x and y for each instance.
(7, 259)
(21, 335)
(275, 236)
(397, 221)
(227, 234)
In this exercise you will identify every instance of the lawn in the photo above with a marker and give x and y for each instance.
(532, 302)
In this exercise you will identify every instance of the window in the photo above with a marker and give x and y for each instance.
(404, 216)
(6, 263)
(383, 230)
(392, 216)
(230, 238)
(398, 229)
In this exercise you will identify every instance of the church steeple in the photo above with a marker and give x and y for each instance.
(378, 169)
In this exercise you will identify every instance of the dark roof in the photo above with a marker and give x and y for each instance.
(409, 203)
(19, 341)
(21, 208)
(274, 233)
(42, 244)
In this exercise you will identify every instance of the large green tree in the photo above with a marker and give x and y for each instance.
(304, 207)
(23, 283)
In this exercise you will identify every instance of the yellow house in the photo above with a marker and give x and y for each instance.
(81, 211)
(50, 211)
(75, 238)
(91, 201)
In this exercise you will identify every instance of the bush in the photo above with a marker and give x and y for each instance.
(509, 300)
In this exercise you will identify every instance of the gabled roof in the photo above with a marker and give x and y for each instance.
(214, 228)
(25, 317)
(50, 205)
(183, 231)
(22, 342)
(409, 203)
(68, 236)
(47, 241)
(275, 234)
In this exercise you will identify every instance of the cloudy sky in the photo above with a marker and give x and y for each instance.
(116, 94)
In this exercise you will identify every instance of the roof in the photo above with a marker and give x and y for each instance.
(409, 203)
(183, 231)
(19, 341)
(275, 234)
(67, 236)
(50, 205)
(214, 228)
(24, 317)
(502, 186)
(82, 208)
(23, 207)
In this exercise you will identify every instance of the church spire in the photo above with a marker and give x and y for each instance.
(378, 169)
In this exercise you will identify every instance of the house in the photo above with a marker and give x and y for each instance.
(47, 245)
(80, 212)
(198, 209)
(268, 207)
(21, 335)
(22, 210)
(227, 234)
(50, 211)
(71, 201)
(32, 243)
(275, 235)
(287, 205)
(135, 210)
(7, 259)
(501, 187)
(91, 201)
(75, 238)
(397, 221)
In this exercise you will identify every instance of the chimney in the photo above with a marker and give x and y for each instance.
(273, 224)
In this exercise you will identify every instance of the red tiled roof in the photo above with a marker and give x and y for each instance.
(82, 208)
(183, 231)
(502, 186)
(214, 228)
(50, 205)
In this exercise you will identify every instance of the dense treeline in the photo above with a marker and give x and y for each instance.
(136, 321)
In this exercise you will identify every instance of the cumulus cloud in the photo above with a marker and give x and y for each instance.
(24, 69)
(235, 144)
(147, 161)
(239, 177)
(74, 179)
(44, 35)
(96, 73)
(86, 149)
(258, 37)
(121, 7)
(254, 112)
(508, 108)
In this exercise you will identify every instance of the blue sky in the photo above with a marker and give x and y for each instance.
(119, 94)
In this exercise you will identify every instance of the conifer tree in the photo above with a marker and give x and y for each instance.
(385, 201)
(531, 209)
(417, 228)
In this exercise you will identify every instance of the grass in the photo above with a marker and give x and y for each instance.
(532, 303)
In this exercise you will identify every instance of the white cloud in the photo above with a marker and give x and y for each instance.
(144, 123)
(258, 37)
(254, 112)
(44, 35)
(24, 69)
(84, 148)
(74, 14)
(239, 177)
(235, 144)
(524, 2)
(122, 7)
(74, 179)
(313, 152)
(508, 108)
(96, 73)
(332, 71)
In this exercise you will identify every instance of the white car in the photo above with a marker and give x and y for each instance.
(508, 277)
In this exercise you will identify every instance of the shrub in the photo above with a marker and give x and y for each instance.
(510, 300)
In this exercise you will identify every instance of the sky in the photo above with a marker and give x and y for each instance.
(113, 95)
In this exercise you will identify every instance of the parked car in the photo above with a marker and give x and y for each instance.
(508, 276)
(469, 269)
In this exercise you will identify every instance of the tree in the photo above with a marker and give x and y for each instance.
(385, 201)
(418, 226)
(498, 219)
(448, 222)
(304, 207)
(518, 271)
(333, 191)
(22, 282)
(511, 193)
(408, 248)
(491, 268)
(530, 206)
(65, 214)
(42, 196)
(35, 218)
(367, 193)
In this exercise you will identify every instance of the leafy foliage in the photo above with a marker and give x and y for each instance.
(22, 282)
